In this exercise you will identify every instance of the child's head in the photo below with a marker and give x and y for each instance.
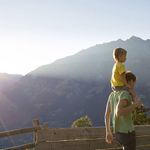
(119, 54)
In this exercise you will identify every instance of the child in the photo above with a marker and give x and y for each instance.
(118, 80)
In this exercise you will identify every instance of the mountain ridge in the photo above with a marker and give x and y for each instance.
(68, 66)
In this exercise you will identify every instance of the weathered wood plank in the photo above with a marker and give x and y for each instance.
(22, 147)
(78, 144)
(70, 133)
(18, 131)
(144, 147)
(116, 148)
(53, 134)
(142, 130)
(143, 140)
(143, 143)
(141, 147)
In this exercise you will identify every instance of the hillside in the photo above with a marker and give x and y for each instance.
(76, 85)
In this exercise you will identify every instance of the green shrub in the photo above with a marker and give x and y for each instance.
(84, 121)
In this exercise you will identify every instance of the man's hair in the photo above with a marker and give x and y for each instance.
(118, 52)
(130, 76)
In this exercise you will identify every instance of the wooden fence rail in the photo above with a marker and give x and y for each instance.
(15, 132)
(45, 138)
(18, 131)
(86, 139)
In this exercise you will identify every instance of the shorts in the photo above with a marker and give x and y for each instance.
(127, 140)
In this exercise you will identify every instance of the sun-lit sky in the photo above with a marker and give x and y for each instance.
(37, 32)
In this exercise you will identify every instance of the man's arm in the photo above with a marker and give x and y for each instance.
(109, 137)
(123, 109)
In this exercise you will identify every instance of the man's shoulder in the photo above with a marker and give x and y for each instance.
(111, 94)
(119, 93)
(124, 94)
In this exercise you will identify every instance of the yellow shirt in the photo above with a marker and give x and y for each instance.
(117, 70)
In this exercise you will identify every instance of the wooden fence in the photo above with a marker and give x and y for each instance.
(27, 146)
(46, 138)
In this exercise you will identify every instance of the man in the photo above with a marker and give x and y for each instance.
(120, 105)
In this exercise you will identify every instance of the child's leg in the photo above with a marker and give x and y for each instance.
(119, 88)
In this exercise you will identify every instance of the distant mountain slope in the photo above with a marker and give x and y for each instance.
(63, 91)
(7, 80)
(7, 107)
(96, 62)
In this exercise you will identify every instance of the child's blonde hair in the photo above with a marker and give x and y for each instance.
(118, 52)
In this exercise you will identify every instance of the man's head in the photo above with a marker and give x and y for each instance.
(131, 78)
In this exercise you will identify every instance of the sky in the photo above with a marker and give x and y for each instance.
(38, 32)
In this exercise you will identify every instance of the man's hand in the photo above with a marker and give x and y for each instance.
(138, 103)
(109, 137)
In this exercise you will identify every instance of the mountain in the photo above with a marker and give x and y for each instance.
(7, 80)
(77, 85)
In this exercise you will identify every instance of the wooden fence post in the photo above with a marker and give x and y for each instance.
(36, 123)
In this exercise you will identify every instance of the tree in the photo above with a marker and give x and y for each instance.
(140, 116)
(84, 121)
